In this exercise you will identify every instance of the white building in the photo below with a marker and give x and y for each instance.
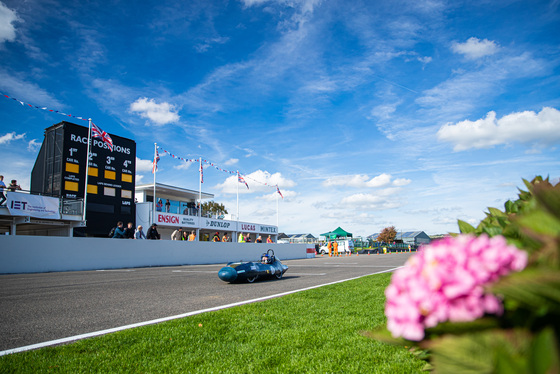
(178, 208)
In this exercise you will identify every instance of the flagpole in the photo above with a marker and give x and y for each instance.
(200, 188)
(237, 196)
(155, 171)
(277, 215)
(87, 169)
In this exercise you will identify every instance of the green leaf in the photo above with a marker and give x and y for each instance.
(465, 228)
(496, 212)
(537, 288)
(384, 335)
(549, 197)
(543, 357)
(480, 352)
(539, 222)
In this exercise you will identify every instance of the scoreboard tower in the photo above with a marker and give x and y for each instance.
(60, 170)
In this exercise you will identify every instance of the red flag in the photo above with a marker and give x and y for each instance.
(240, 179)
(156, 159)
(280, 193)
(201, 174)
(96, 132)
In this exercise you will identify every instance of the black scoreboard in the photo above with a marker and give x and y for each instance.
(60, 170)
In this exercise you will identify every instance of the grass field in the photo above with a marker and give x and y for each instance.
(316, 331)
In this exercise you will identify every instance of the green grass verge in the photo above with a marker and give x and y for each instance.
(316, 331)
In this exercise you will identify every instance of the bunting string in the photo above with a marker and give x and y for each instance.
(45, 108)
(219, 168)
(165, 151)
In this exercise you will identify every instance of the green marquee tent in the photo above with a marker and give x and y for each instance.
(338, 233)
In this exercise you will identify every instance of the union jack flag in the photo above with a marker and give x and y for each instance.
(280, 193)
(240, 179)
(96, 132)
(156, 159)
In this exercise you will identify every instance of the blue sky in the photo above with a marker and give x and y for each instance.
(365, 113)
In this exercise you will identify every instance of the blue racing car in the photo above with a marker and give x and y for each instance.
(269, 267)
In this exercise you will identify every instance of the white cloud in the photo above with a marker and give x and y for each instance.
(159, 114)
(524, 127)
(380, 181)
(143, 166)
(345, 180)
(258, 181)
(7, 30)
(475, 48)
(401, 182)
(363, 181)
(183, 166)
(231, 161)
(33, 145)
(6, 139)
(385, 199)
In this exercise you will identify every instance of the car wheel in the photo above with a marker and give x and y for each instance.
(252, 279)
(279, 275)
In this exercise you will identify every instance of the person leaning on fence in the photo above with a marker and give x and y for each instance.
(139, 234)
(269, 240)
(241, 238)
(2, 186)
(129, 231)
(216, 237)
(225, 238)
(119, 231)
(153, 234)
(177, 234)
(14, 186)
(259, 239)
(192, 236)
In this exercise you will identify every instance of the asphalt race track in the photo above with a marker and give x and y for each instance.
(37, 308)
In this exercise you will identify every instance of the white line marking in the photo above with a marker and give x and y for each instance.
(165, 319)
(118, 270)
(193, 271)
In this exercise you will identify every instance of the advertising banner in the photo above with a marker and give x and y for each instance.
(256, 228)
(177, 220)
(264, 229)
(21, 204)
(217, 224)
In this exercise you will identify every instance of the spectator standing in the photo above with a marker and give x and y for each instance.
(119, 231)
(259, 239)
(14, 186)
(139, 234)
(159, 206)
(185, 236)
(225, 238)
(129, 231)
(177, 234)
(241, 238)
(248, 238)
(216, 237)
(192, 236)
(152, 233)
(269, 240)
(167, 206)
(2, 186)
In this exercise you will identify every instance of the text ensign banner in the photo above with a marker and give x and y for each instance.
(170, 219)
(21, 204)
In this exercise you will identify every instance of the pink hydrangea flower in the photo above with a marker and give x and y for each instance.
(445, 282)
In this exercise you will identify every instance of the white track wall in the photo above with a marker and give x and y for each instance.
(38, 254)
